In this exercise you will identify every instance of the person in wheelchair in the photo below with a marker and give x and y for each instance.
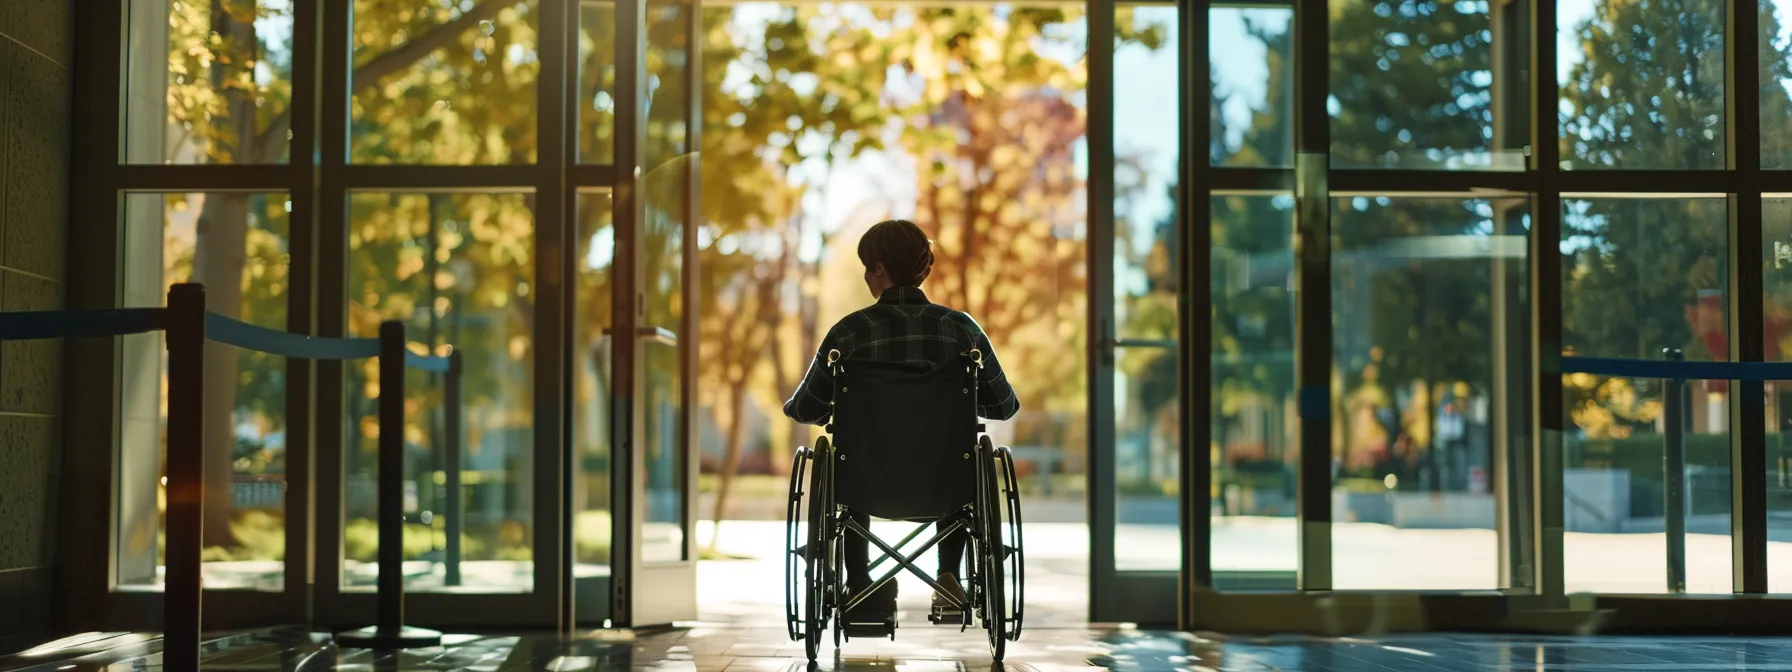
(903, 326)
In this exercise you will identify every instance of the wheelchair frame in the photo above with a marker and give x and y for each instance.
(815, 593)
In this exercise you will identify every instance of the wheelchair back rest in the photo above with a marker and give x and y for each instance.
(904, 436)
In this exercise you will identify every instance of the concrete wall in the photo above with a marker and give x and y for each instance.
(35, 99)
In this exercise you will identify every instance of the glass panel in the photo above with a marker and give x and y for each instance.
(1776, 230)
(1255, 423)
(1642, 84)
(662, 341)
(1416, 343)
(591, 391)
(458, 270)
(1640, 275)
(662, 421)
(597, 82)
(1252, 52)
(175, 238)
(668, 96)
(208, 82)
(444, 83)
(1412, 86)
(1147, 432)
(1776, 84)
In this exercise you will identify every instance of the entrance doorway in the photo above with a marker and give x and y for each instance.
(974, 132)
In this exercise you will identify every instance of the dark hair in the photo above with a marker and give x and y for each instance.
(903, 249)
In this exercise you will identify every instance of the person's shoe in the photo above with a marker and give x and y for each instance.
(880, 607)
(948, 604)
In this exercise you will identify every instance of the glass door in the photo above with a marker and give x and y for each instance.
(1135, 288)
(657, 488)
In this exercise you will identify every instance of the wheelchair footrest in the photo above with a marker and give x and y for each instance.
(867, 630)
(945, 616)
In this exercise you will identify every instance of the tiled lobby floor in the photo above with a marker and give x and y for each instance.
(721, 649)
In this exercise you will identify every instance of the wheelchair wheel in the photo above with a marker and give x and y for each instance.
(1015, 560)
(989, 551)
(796, 546)
(820, 557)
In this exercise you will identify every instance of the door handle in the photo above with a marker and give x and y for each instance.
(1142, 343)
(659, 335)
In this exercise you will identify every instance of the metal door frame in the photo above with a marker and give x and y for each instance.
(630, 574)
(1532, 596)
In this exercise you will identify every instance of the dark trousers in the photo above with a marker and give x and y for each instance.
(858, 551)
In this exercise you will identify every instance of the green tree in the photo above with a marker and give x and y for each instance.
(432, 83)
(219, 111)
(1410, 88)
(1647, 91)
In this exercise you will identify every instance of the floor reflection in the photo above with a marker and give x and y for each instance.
(710, 648)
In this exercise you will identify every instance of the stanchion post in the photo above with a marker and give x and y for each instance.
(389, 631)
(391, 477)
(451, 479)
(182, 590)
(1673, 471)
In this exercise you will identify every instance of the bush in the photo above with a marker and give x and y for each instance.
(361, 541)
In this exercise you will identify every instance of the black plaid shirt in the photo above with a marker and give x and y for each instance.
(903, 326)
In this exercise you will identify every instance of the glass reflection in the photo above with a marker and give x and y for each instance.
(596, 103)
(1254, 432)
(1252, 52)
(208, 82)
(237, 244)
(592, 387)
(1412, 86)
(1148, 424)
(660, 347)
(1776, 249)
(1422, 295)
(1776, 84)
(458, 269)
(1640, 276)
(444, 83)
(1642, 84)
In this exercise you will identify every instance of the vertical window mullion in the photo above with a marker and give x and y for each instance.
(1195, 231)
(1748, 434)
(1313, 311)
(1547, 414)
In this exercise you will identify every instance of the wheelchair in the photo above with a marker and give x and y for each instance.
(877, 459)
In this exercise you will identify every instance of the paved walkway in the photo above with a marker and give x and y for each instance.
(1366, 557)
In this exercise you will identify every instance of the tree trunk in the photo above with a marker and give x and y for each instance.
(218, 259)
(218, 262)
(774, 307)
(730, 459)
